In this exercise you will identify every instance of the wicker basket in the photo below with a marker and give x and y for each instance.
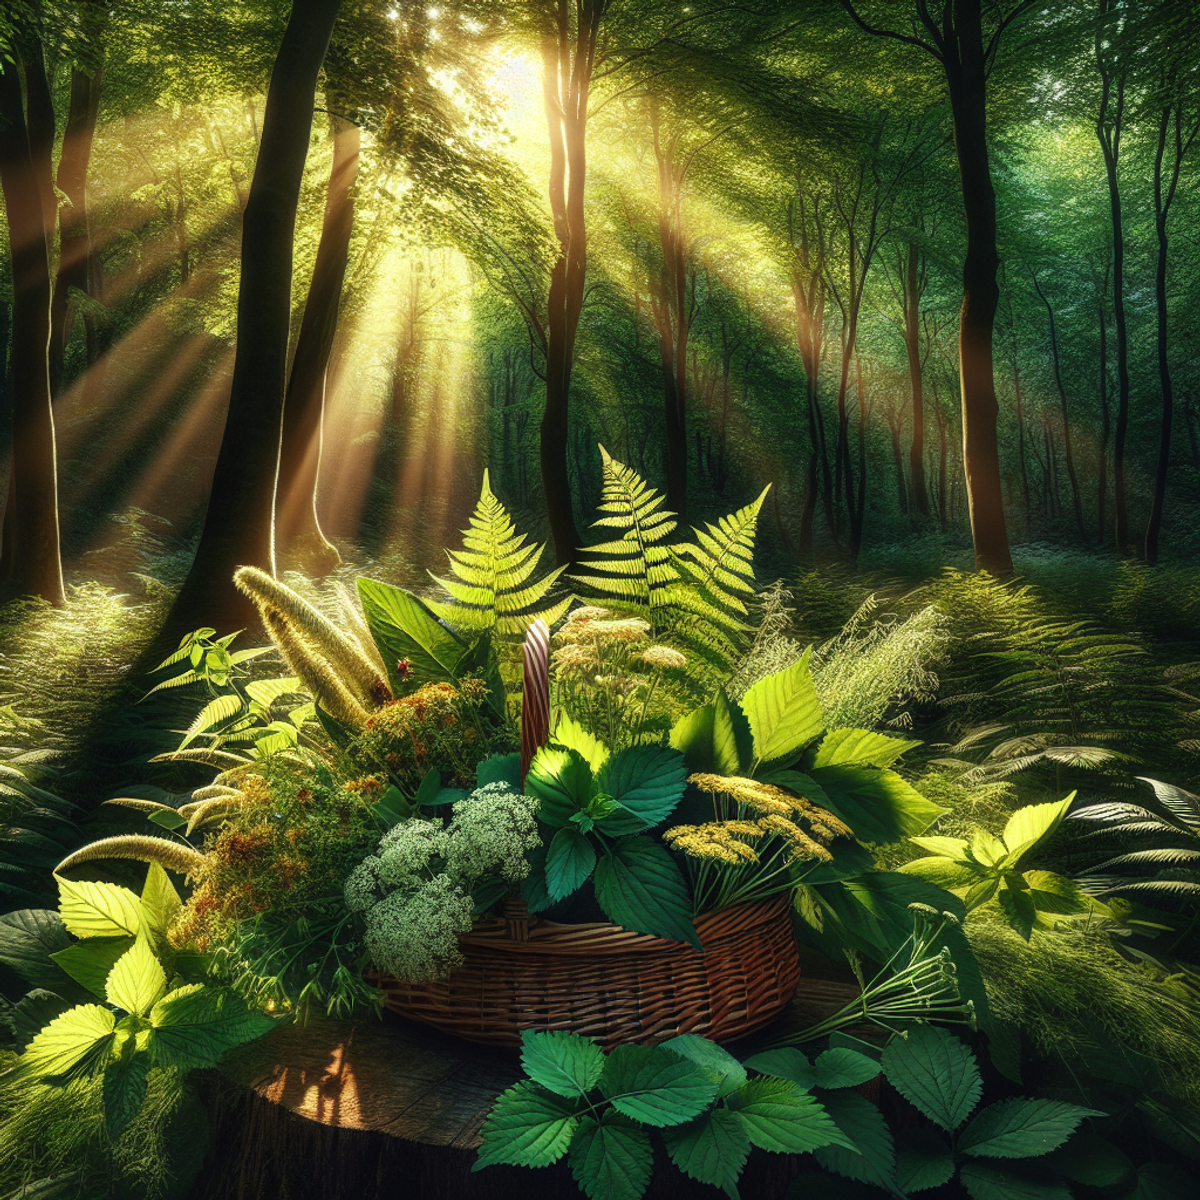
(608, 983)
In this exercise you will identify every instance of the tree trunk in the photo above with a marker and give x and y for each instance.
(916, 454)
(298, 528)
(30, 563)
(943, 451)
(240, 522)
(967, 77)
(1105, 422)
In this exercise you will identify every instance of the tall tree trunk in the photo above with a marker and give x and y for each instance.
(916, 453)
(967, 76)
(298, 528)
(30, 562)
(74, 245)
(1105, 424)
(1076, 499)
(239, 526)
(943, 451)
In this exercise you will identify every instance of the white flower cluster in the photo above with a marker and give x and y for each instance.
(413, 935)
(409, 849)
(491, 834)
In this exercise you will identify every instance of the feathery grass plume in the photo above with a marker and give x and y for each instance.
(202, 811)
(773, 648)
(312, 631)
(175, 856)
(220, 760)
(491, 588)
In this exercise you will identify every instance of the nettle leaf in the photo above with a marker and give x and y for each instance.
(1029, 826)
(570, 859)
(29, 939)
(137, 981)
(90, 961)
(732, 740)
(91, 909)
(654, 1086)
(1016, 902)
(124, 1089)
(842, 1068)
(860, 746)
(873, 1157)
(160, 900)
(985, 1182)
(196, 1025)
(640, 886)
(611, 1159)
(73, 1044)
(935, 1072)
(784, 712)
(944, 872)
(527, 1127)
(711, 1149)
(33, 1012)
(1022, 1128)
(876, 803)
(779, 1116)
(562, 782)
(569, 734)
(1055, 894)
(923, 1160)
(646, 782)
(566, 1063)
(947, 847)
(788, 1063)
(715, 1061)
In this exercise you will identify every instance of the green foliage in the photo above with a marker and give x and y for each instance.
(491, 588)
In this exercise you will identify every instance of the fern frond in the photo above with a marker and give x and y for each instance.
(490, 590)
(173, 855)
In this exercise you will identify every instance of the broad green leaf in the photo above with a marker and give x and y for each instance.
(569, 734)
(430, 785)
(923, 1160)
(160, 900)
(947, 847)
(860, 746)
(527, 1127)
(570, 859)
(562, 782)
(841, 1068)
(985, 1182)
(33, 1012)
(74, 1044)
(654, 1086)
(935, 1072)
(732, 741)
(1016, 903)
(611, 1159)
(873, 1158)
(137, 981)
(1029, 826)
(787, 1063)
(28, 940)
(713, 1060)
(692, 736)
(1053, 893)
(404, 628)
(784, 712)
(1022, 1128)
(944, 872)
(779, 1116)
(646, 782)
(563, 1062)
(90, 961)
(980, 893)
(194, 1026)
(168, 819)
(267, 691)
(640, 886)
(500, 768)
(98, 909)
(986, 849)
(876, 803)
(124, 1090)
(711, 1149)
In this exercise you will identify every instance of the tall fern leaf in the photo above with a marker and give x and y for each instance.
(491, 586)
(636, 570)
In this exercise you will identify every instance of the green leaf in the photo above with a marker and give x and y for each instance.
(923, 1160)
(1029, 826)
(74, 1044)
(873, 1159)
(646, 782)
(611, 1159)
(1016, 903)
(391, 808)
(711, 1149)
(654, 1086)
(784, 712)
(713, 1060)
(570, 859)
(160, 900)
(985, 1182)
(860, 746)
(98, 909)
(137, 981)
(33, 1012)
(779, 1116)
(404, 628)
(28, 940)
(732, 741)
(569, 734)
(89, 962)
(124, 1090)
(935, 1073)
(788, 1063)
(947, 847)
(1022, 1128)
(533, 886)
(566, 1063)
(500, 768)
(196, 1025)
(692, 736)
(562, 782)
(527, 1127)
(841, 1068)
(1055, 894)
(640, 886)
(876, 803)
(168, 819)
(430, 785)
(943, 872)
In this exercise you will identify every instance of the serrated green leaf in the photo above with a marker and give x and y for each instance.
(1029, 826)
(33, 1012)
(565, 1063)
(569, 734)
(646, 782)
(654, 1086)
(196, 1025)
(860, 746)
(90, 961)
(923, 1160)
(715, 1061)
(954, 849)
(784, 712)
(124, 1089)
(640, 886)
(788, 1063)
(934, 1072)
(841, 1068)
(944, 872)
(73, 1045)
(527, 1127)
(29, 939)
(611, 1159)
(711, 1149)
(876, 803)
(732, 739)
(160, 900)
(873, 1157)
(1016, 903)
(570, 860)
(137, 981)
(692, 736)
(91, 909)
(779, 1116)
(986, 1182)
(1022, 1128)
(562, 782)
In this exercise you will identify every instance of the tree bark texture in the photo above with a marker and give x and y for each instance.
(239, 524)
(916, 455)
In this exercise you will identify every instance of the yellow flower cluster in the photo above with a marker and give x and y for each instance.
(716, 840)
(663, 657)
